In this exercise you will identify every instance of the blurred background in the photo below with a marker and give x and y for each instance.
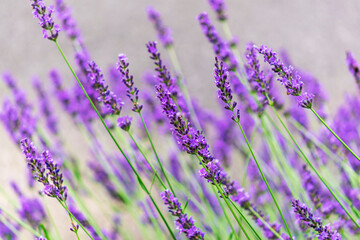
(316, 35)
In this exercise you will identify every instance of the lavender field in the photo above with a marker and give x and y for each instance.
(179, 120)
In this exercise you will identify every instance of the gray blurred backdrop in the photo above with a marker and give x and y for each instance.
(316, 35)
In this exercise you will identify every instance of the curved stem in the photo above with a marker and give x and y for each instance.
(335, 135)
(113, 138)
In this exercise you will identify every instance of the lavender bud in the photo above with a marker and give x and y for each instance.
(124, 123)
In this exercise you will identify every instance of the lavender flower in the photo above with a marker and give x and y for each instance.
(44, 170)
(112, 103)
(193, 142)
(219, 7)
(288, 78)
(306, 100)
(67, 21)
(46, 21)
(353, 67)
(224, 92)
(164, 33)
(124, 123)
(128, 80)
(184, 223)
(305, 215)
(257, 79)
(220, 47)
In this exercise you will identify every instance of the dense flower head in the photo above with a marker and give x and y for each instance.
(305, 215)
(68, 23)
(288, 78)
(259, 82)
(221, 76)
(219, 7)
(124, 123)
(184, 223)
(353, 67)
(44, 170)
(164, 33)
(221, 48)
(46, 21)
(112, 103)
(128, 80)
(305, 100)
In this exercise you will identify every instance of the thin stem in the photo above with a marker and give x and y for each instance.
(147, 160)
(225, 198)
(225, 213)
(157, 156)
(113, 138)
(333, 133)
(312, 167)
(260, 170)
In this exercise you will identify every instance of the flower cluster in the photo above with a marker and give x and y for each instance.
(353, 67)
(128, 80)
(220, 47)
(112, 103)
(184, 223)
(224, 93)
(164, 33)
(124, 123)
(46, 21)
(44, 170)
(219, 8)
(305, 215)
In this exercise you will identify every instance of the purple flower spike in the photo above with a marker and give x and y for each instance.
(221, 48)
(46, 21)
(219, 7)
(164, 33)
(128, 80)
(124, 123)
(305, 215)
(184, 223)
(306, 100)
(112, 103)
(44, 170)
(222, 83)
(288, 77)
(353, 67)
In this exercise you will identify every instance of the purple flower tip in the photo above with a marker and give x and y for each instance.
(124, 122)
(305, 100)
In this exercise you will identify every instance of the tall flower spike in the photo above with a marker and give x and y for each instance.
(164, 33)
(220, 47)
(353, 67)
(128, 80)
(193, 142)
(219, 7)
(257, 79)
(184, 223)
(44, 170)
(112, 103)
(305, 215)
(46, 21)
(288, 78)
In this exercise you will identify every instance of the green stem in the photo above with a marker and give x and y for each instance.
(312, 167)
(333, 133)
(225, 213)
(157, 156)
(147, 160)
(225, 198)
(113, 138)
(260, 170)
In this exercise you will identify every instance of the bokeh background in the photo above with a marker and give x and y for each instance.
(315, 34)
